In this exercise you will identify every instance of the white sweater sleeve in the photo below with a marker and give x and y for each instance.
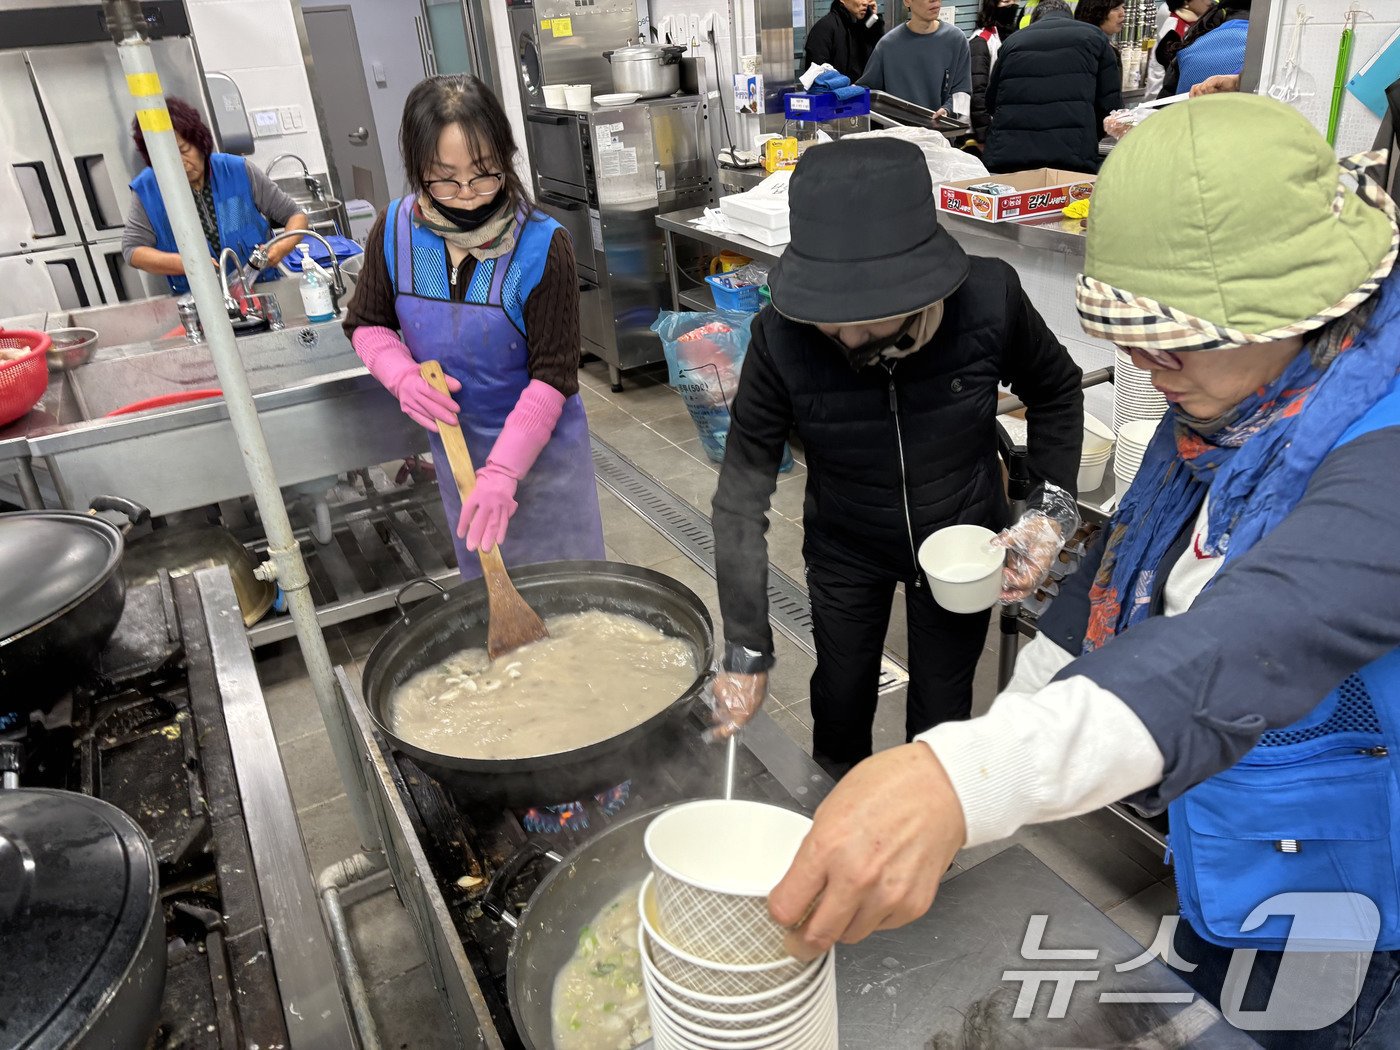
(1069, 748)
(1036, 665)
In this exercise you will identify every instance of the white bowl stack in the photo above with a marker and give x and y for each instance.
(1134, 396)
(1133, 440)
(1098, 449)
(716, 974)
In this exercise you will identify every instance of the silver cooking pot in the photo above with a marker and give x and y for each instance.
(650, 70)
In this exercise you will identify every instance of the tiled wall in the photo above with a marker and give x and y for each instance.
(255, 42)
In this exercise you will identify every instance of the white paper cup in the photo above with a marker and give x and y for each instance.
(715, 862)
(964, 572)
(1091, 474)
(760, 1006)
(554, 96)
(578, 96)
(812, 1013)
(817, 1027)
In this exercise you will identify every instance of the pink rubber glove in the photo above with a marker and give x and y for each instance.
(486, 513)
(390, 362)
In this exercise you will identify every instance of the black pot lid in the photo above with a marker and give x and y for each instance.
(49, 560)
(78, 889)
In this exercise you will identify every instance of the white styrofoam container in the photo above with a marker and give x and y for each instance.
(766, 211)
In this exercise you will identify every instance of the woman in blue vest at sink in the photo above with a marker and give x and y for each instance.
(238, 205)
(467, 272)
(1229, 650)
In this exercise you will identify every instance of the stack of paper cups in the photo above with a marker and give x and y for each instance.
(1098, 448)
(1133, 440)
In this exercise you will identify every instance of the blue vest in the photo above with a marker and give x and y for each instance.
(1313, 807)
(1218, 53)
(429, 252)
(241, 226)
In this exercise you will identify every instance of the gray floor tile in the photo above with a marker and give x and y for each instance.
(696, 488)
(889, 720)
(1116, 831)
(793, 726)
(800, 710)
(311, 769)
(666, 463)
(693, 445)
(1141, 915)
(409, 1014)
(386, 942)
(328, 829)
(787, 499)
(291, 705)
(785, 548)
(653, 401)
(678, 427)
(637, 540)
(791, 677)
(984, 683)
(605, 418)
(1087, 861)
(629, 436)
(681, 568)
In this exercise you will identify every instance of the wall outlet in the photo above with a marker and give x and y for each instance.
(693, 24)
(708, 25)
(288, 126)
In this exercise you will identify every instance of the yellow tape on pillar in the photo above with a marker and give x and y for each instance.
(154, 119)
(140, 84)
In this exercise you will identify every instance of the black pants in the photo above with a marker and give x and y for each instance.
(850, 617)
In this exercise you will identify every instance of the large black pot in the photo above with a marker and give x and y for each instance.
(456, 620)
(568, 898)
(61, 596)
(81, 922)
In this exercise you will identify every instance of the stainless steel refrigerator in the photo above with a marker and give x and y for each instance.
(66, 156)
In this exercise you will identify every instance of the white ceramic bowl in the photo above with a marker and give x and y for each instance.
(704, 975)
(554, 96)
(964, 572)
(578, 96)
(715, 862)
(761, 1005)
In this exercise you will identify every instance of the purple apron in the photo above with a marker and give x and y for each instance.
(483, 347)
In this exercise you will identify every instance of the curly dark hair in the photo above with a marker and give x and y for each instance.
(188, 124)
(1095, 11)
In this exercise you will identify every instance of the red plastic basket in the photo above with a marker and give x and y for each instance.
(165, 401)
(22, 382)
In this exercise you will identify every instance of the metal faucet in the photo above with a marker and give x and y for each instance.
(259, 260)
(313, 186)
(230, 303)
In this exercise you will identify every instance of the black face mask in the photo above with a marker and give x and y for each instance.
(1004, 17)
(466, 220)
(869, 353)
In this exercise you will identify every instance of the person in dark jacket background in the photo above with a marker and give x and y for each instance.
(1054, 83)
(884, 348)
(996, 20)
(845, 36)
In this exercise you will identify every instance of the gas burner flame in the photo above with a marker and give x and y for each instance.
(572, 816)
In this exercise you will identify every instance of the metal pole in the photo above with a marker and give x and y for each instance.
(127, 27)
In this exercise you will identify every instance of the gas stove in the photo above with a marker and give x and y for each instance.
(148, 734)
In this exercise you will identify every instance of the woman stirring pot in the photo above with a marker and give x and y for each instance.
(472, 275)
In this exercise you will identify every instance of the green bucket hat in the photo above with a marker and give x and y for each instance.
(1225, 221)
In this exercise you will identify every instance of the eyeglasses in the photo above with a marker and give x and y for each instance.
(1163, 359)
(480, 186)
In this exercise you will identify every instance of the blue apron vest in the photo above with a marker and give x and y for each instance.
(1218, 53)
(1313, 807)
(241, 226)
(482, 343)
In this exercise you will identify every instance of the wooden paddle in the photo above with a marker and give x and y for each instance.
(512, 623)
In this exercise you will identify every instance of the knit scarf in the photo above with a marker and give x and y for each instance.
(1254, 463)
(491, 241)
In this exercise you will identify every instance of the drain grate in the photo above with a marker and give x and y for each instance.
(689, 530)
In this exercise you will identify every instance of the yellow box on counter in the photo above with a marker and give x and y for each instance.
(1015, 194)
(779, 154)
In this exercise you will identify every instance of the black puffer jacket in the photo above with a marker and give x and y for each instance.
(894, 451)
(1053, 84)
(841, 41)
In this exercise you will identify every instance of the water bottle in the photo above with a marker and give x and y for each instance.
(315, 290)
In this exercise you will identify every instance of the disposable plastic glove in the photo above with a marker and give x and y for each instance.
(1034, 542)
(487, 511)
(737, 699)
(390, 362)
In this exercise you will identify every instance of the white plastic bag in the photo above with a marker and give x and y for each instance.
(945, 164)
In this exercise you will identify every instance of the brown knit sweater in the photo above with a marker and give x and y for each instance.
(551, 310)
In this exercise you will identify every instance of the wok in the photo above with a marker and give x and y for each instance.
(61, 595)
(568, 898)
(456, 620)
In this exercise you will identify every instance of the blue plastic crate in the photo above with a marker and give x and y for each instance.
(743, 299)
(803, 105)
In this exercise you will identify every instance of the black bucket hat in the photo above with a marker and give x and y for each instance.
(866, 244)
